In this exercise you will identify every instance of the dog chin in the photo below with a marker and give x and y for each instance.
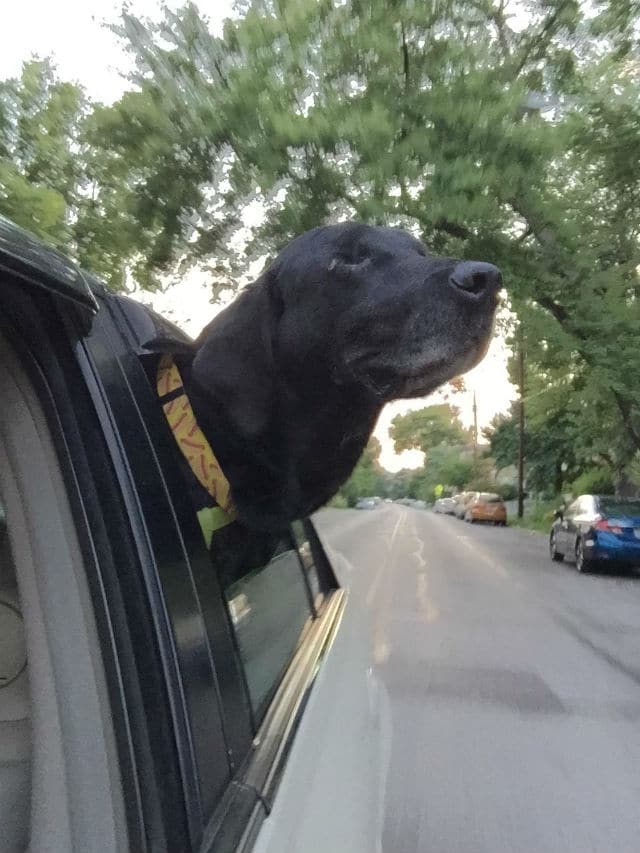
(425, 381)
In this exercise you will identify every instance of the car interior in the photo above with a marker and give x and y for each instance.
(54, 794)
(15, 723)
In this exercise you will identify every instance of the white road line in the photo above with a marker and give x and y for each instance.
(384, 564)
(471, 544)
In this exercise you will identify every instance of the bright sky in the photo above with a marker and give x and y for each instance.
(72, 32)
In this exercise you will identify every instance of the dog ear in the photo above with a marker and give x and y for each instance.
(234, 362)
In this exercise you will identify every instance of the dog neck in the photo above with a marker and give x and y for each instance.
(300, 457)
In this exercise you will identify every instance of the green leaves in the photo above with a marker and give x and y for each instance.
(518, 145)
(427, 428)
(40, 150)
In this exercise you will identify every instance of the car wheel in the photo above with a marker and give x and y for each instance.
(583, 565)
(556, 556)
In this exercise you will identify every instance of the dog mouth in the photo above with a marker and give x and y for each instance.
(432, 375)
(391, 371)
(419, 374)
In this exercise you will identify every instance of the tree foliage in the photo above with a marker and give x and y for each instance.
(517, 144)
(425, 429)
(367, 477)
(40, 152)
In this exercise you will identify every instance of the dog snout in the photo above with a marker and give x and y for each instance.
(476, 278)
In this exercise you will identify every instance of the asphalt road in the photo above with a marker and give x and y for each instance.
(514, 685)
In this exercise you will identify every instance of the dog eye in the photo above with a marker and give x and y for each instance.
(348, 268)
(351, 260)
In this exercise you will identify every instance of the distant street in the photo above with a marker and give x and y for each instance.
(514, 683)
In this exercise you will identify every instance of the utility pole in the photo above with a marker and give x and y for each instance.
(521, 423)
(475, 429)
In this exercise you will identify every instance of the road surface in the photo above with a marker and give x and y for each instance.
(514, 686)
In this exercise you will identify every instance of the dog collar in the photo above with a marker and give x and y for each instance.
(194, 446)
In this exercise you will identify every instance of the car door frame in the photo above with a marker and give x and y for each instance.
(562, 530)
(577, 524)
(583, 521)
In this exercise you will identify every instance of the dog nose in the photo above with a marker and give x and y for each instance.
(476, 277)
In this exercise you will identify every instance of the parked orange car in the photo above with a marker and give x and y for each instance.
(486, 507)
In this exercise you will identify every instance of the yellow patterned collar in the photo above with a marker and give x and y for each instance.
(193, 443)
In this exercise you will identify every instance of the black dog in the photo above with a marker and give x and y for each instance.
(288, 381)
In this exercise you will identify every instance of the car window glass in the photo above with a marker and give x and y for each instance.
(305, 552)
(584, 505)
(573, 508)
(269, 605)
(610, 507)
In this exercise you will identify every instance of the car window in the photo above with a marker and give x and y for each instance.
(269, 605)
(610, 506)
(489, 498)
(573, 508)
(305, 552)
(584, 505)
(267, 591)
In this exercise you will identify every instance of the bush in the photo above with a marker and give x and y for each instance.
(538, 516)
(595, 481)
(507, 491)
(481, 484)
(338, 502)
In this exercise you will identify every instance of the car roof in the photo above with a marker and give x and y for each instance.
(31, 260)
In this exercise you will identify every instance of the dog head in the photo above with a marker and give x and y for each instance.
(347, 318)
(384, 314)
(354, 304)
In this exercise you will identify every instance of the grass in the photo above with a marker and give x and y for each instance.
(537, 517)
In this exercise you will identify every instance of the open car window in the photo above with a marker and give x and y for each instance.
(269, 605)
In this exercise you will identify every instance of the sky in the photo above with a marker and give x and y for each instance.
(84, 50)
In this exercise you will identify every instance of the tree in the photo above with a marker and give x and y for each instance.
(502, 434)
(425, 429)
(519, 147)
(40, 156)
(367, 478)
(445, 466)
(515, 146)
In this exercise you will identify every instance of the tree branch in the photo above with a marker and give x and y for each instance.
(556, 310)
(452, 228)
(497, 16)
(405, 58)
(223, 79)
(624, 405)
(540, 42)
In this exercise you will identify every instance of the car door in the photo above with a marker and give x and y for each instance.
(584, 519)
(578, 520)
(566, 528)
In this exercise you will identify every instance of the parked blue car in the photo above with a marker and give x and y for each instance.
(597, 531)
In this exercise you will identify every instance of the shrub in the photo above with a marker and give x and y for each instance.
(507, 491)
(338, 502)
(538, 516)
(594, 481)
